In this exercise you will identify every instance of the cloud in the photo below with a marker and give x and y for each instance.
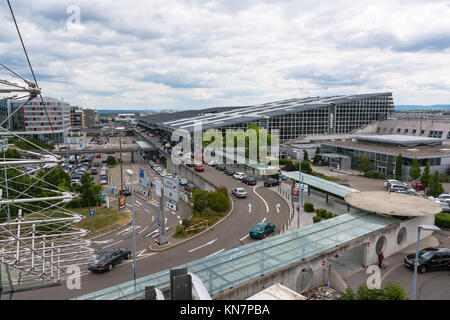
(193, 54)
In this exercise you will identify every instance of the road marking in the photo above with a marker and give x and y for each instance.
(278, 207)
(267, 206)
(143, 229)
(263, 220)
(178, 217)
(153, 218)
(206, 244)
(216, 252)
(249, 208)
(138, 203)
(146, 210)
(241, 239)
(382, 278)
(112, 244)
(103, 241)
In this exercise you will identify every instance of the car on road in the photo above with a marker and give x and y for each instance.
(418, 186)
(189, 187)
(103, 180)
(442, 198)
(249, 180)
(94, 171)
(199, 168)
(106, 259)
(96, 164)
(212, 163)
(239, 175)
(183, 182)
(400, 187)
(98, 155)
(220, 167)
(387, 183)
(125, 192)
(271, 182)
(239, 192)
(229, 171)
(445, 205)
(261, 230)
(431, 260)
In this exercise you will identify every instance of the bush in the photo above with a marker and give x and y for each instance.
(309, 207)
(284, 161)
(374, 174)
(180, 231)
(321, 212)
(328, 214)
(442, 220)
(316, 219)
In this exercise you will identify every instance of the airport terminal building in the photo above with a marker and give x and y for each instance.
(292, 117)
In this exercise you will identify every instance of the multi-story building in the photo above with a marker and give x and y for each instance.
(48, 122)
(293, 117)
(77, 118)
(125, 117)
(91, 117)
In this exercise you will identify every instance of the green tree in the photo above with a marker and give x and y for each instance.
(317, 157)
(363, 163)
(90, 193)
(425, 177)
(391, 291)
(414, 171)
(305, 155)
(394, 291)
(398, 167)
(306, 167)
(435, 185)
(111, 161)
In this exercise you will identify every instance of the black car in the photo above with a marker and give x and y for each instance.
(220, 167)
(271, 182)
(229, 171)
(107, 258)
(249, 180)
(125, 192)
(189, 187)
(434, 259)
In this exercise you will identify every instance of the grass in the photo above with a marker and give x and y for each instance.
(26, 146)
(104, 218)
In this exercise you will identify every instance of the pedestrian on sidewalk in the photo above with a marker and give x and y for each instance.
(380, 259)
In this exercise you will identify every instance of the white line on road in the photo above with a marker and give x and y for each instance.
(153, 218)
(178, 217)
(249, 208)
(206, 244)
(241, 239)
(109, 245)
(216, 252)
(278, 207)
(143, 230)
(103, 241)
(146, 210)
(138, 203)
(267, 206)
(263, 220)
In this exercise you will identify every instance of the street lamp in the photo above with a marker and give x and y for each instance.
(416, 259)
(120, 148)
(130, 173)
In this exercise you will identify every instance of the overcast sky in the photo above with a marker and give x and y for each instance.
(194, 54)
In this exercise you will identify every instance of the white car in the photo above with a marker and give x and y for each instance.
(239, 175)
(442, 198)
(239, 192)
(390, 182)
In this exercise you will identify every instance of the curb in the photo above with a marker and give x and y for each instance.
(155, 248)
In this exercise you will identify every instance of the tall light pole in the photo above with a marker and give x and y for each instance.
(130, 173)
(120, 158)
(416, 259)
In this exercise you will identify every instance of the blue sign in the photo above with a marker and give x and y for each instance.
(141, 173)
(159, 223)
(91, 213)
(112, 190)
(102, 197)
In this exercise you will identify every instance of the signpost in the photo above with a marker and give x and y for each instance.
(144, 180)
(121, 202)
(92, 214)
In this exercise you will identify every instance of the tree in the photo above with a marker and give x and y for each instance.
(305, 155)
(398, 167)
(317, 157)
(306, 167)
(363, 163)
(391, 291)
(425, 177)
(414, 171)
(436, 187)
(111, 161)
(90, 193)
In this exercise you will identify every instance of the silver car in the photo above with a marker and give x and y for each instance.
(239, 192)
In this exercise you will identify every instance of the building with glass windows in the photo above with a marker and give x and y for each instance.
(292, 117)
(48, 122)
(382, 150)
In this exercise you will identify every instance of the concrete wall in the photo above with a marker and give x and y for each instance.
(191, 175)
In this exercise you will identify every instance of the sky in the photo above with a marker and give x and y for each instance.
(173, 54)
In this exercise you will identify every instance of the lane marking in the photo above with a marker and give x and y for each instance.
(263, 220)
(278, 207)
(216, 252)
(143, 229)
(244, 237)
(178, 217)
(267, 206)
(103, 241)
(138, 203)
(249, 208)
(112, 244)
(146, 210)
(206, 244)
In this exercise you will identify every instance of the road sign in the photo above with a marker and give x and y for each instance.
(324, 262)
(171, 189)
(158, 187)
(121, 202)
(144, 178)
(158, 223)
(92, 213)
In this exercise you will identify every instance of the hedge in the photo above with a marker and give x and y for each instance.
(442, 220)
(309, 207)
(316, 219)
(375, 174)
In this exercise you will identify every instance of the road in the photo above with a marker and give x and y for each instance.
(262, 204)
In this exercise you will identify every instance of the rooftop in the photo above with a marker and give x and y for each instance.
(404, 141)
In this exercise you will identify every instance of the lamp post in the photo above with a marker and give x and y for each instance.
(130, 173)
(120, 158)
(416, 259)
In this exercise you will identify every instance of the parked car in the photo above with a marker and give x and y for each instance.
(229, 171)
(431, 260)
(239, 192)
(103, 180)
(125, 192)
(199, 168)
(239, 175)
(220, 167)
(261, 230)
(443, 197)
(189, 187)
(397, 187)
(108, 258)
(212, 163)
(249, 180)
(387, 183)
(94, 171)
(96, 164)
(271, 182)
(183, 182)
(418, 186)
(445, 205)
(98, 155)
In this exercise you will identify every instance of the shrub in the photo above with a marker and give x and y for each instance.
(328, 214)
(284, 161)
(442, 220)
(374, 174)
(321, 212)
(180, 231)
(309, 207)
(316, 219)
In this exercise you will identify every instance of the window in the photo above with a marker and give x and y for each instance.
(406, 131)
(398, 130)
(414, 131)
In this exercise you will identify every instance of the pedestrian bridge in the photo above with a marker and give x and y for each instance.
(261, 259)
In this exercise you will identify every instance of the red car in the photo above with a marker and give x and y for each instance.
(199, 168)
(98, 155)
(418, 186)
